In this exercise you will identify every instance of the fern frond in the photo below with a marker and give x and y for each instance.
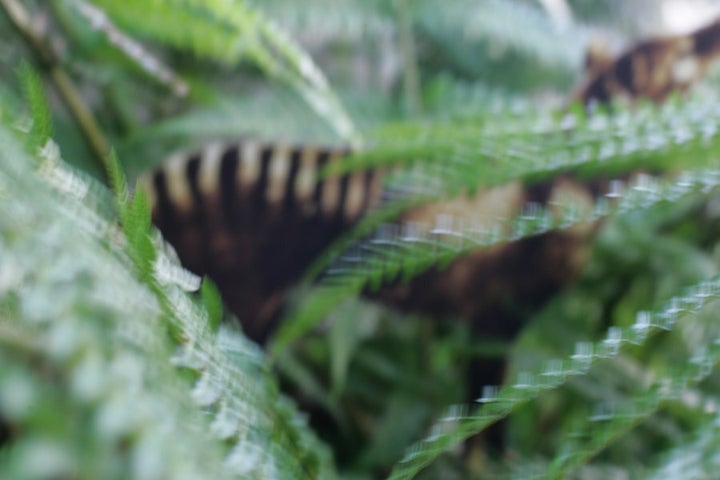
(232, 32)
(404, 251)
(41, 130)
(696, 458)
(615, 419)
(75, 306)
(73, 297)
(135, 51)
(462, 422)
(448, 158)
(534, 148)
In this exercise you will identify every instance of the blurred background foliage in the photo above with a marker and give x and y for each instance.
(157, 77)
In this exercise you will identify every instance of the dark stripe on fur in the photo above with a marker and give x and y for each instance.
(229, 164)
(322, 159)
(259, 201)
(342, 198)
(289, 200)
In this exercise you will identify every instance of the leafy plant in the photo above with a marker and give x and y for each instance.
(112, 368)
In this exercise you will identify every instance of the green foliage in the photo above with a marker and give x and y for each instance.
(41, 128)
(212, 303)
(92, 385)
(411, 251)
(111, 370)
(231, 32)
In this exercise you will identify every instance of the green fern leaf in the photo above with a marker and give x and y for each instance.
(212, 302)
(41, 129)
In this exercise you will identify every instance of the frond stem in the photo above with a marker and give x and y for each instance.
(411, 72)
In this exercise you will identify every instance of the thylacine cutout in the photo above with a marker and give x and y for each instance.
(253, 216)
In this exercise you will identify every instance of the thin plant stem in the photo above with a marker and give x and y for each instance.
(411, 74)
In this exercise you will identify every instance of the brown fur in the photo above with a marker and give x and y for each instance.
(651, 69)
(257, 225)
(256, 252)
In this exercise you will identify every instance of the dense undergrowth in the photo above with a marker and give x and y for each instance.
(113, 368)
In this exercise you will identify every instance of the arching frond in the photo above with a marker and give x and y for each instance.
(74, 302)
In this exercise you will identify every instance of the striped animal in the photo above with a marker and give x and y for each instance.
(254, 215)
(651, 69)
